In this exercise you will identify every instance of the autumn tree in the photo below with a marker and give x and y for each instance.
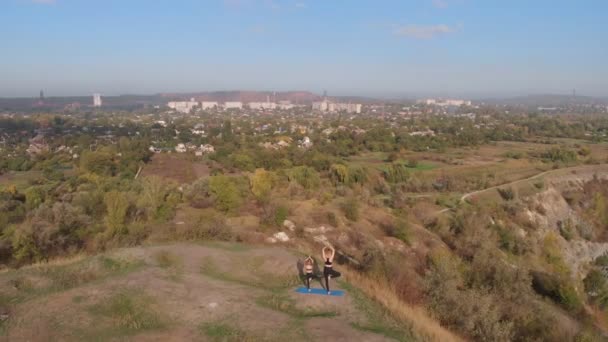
(225, 193)
(117, 206)
(262, 182)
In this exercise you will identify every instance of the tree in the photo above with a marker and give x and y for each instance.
(100, 163)
(225, 193)
(157, 198)
(262, 182)
(396, 173)
(306, 176)
(117, 206)
(34, 196)
(227, 130)
(339, 173)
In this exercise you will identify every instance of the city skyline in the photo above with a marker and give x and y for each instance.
(438, 47)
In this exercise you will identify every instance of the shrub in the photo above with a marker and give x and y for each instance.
(558, 289)
(556, 154)
(473, 311)
(306, 176)
(396, 173)
(117, 206)
(398, 229)
(514, 154)
(34, 196)
(262, 183)
(99, 162)
(594, 282)
(565, 230)
(412, 163)
(507, 194)
(602, 260)
(350, 207)
(332, 219)
(212, 226)
(584, 151)
(280, 215)
(198, 194)
(569, 298)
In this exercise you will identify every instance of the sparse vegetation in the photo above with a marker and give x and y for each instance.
(224, 332)
(129, 313)
(283, 303)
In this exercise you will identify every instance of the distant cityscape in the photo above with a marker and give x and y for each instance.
(302, 100)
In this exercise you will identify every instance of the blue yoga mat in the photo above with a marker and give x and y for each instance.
(318, 291)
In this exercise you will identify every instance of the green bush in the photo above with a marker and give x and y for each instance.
(212, 226)
(566, 230)
(602, 260)
(280, 215)
(306, 176)
(595, 283)
(350, 207)
(558, 289)
(332, 219)
(506, 193)
(396, 173)
(398, 229)
(225, 193)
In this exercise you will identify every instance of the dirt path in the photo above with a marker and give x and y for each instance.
(542, 174)
(539, 175)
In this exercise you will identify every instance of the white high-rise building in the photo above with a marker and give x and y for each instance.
(97, 100)
(262, 105)
(445, 102)
(328, 106)
(233, 105)
(209, 104)
(183, 106)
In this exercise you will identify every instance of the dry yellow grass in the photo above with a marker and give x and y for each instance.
(422, 324)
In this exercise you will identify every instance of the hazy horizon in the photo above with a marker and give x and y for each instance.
(456, 48)
(379, 96)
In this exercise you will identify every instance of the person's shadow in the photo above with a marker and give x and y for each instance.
(316, 271)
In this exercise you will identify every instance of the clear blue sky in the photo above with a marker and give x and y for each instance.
(449, 47)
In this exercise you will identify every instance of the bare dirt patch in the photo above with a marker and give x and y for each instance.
(171, 166)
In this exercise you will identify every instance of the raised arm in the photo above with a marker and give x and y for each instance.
(333, 253)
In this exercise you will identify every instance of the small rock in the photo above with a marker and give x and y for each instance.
(289, 225)
(343, 238)
(212, 305)
(320, 230)
(321, 238)
(271, 240)
(281, 236)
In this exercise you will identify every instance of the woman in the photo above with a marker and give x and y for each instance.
(328, 271)
(308, 271)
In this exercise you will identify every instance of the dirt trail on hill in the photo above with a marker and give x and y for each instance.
(572, 173)
(182, 292)
(593, 168)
